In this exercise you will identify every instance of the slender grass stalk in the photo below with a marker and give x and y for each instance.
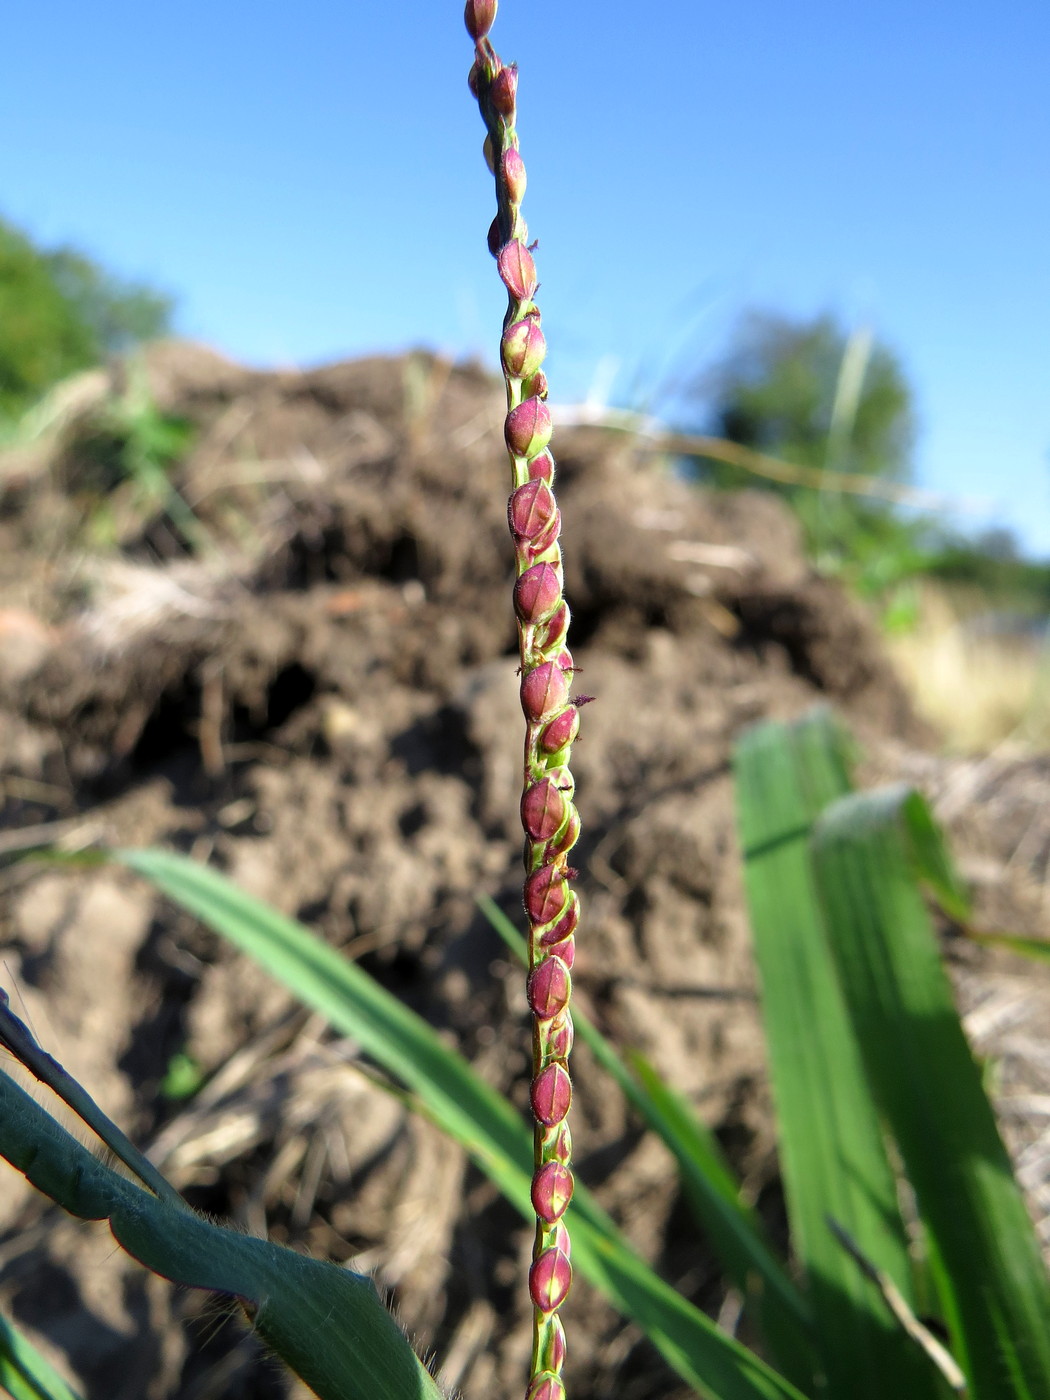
(548, 816)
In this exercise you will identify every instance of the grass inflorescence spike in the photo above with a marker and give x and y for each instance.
(549, 818)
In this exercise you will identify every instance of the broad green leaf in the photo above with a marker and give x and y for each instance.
(326, 1323)
(24, 1373)
(872, 850)
(469, 1110)
(735, 1231)
(832, 1152)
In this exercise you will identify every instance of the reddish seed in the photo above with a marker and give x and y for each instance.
(551, 1191)
(551, 1095)
(512, 170)
(543, 548)
(517, 269)
(554, 1346)
(523, 347)
(530, 510)
(560, 1239)
(531, 550)
(478, 16)
(549, 989)
(537, 594)
(504, 90)
(566, 838)
(536, 386)
(565, 925)
(566, 950)
(564, 779)
(544, 690)
(562, 729)
(543, 810)
(528, 428)
(545, 894)
(493, 238)
(545, 1386)
(559, 1148)
(556, 628)
(550, 1279)
(537, 548)
(560, 1036)
(541, 467)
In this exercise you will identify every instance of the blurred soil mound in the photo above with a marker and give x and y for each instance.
(287, 647)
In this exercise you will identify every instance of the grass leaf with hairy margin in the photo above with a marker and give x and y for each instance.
(326, 1323)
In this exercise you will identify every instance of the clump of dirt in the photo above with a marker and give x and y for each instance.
(295, 657)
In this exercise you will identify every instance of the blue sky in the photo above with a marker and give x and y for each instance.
(307, 181)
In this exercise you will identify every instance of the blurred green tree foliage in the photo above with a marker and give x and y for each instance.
(810, 393)
(992, 564)
(813, 394)
(60, 311)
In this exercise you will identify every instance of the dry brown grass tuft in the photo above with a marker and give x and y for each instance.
(982, 679)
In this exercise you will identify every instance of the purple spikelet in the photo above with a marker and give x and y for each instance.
(552, 719)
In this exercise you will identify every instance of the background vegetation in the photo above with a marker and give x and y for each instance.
(61, 311)
(964, 612)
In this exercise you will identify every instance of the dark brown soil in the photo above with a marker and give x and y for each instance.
(310, 681)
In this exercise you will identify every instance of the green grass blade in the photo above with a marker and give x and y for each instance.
(18, 1040)
(24, 1373)
(468, 1110)
(1038, 949)
(871, 852)
(735, 1231)
(326, 1323)
(832, 1152)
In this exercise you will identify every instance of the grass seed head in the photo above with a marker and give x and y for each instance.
(541, 467)
(550, 1279)
(531, 510)
(537, 595)
(544, 691)
(546, 894)
(565, 924)
(549, 989)
(512, 172)
(478, 15)
(551, 1095)
(562, 729)
(546, 1386)
(503, 94)
(523, 347)
(517, 269)
(543, 810)
(560, 1036)
(528, 428)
